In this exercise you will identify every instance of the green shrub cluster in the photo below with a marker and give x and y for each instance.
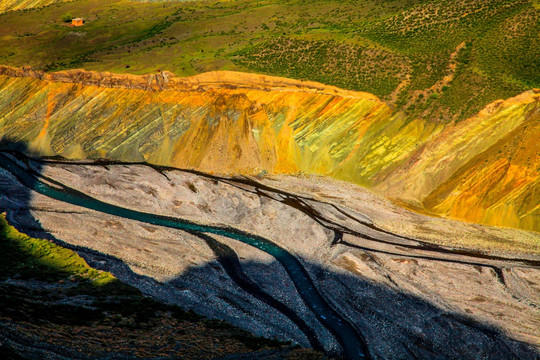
(349, 66)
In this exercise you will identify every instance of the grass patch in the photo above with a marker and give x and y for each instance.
(28, 258)
(345, 65)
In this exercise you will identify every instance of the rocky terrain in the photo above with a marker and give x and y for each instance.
(270, 179)
(414, 286)
(483, 169)
(55, 306)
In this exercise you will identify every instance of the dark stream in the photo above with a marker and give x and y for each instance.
(348, 336)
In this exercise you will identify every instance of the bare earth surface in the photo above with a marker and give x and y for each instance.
(415, 286)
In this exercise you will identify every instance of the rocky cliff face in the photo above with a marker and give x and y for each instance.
(484, 169)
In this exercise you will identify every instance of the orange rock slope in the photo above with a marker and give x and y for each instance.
(484, 169)
(11, 5)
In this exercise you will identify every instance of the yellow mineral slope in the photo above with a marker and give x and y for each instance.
(499, 186)
(8, 5)
(223, 122)
(484, 169)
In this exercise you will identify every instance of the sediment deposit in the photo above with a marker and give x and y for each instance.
(408, 296)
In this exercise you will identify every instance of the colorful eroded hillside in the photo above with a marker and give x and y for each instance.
(11, 5)
(484, 169)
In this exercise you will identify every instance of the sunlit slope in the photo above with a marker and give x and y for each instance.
(260, 125)
(7, 5)
(483, 169)
(455, 146)
(443, 60)
(499, 186)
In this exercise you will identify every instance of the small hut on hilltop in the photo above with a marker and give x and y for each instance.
(77, 22)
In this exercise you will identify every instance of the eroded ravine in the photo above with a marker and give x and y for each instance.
(350, 338)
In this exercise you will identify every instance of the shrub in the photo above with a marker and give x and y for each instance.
(192, 187)
(67, 17)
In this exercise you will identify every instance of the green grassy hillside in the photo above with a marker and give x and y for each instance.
(434, 59)
(27, 258)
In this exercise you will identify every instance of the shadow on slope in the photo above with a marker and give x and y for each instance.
(394, 324)
(53, 305)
